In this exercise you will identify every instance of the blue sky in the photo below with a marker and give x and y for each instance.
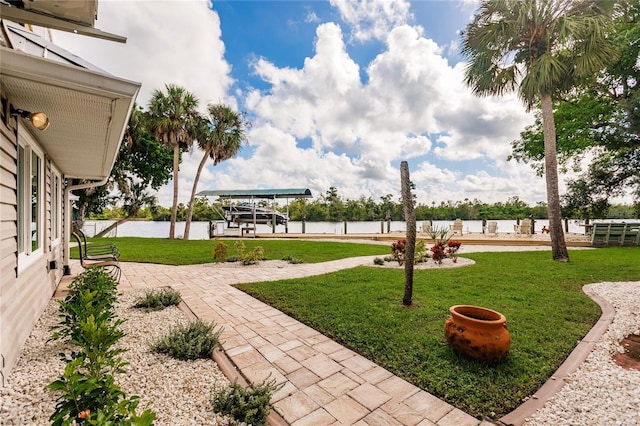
(338, 93)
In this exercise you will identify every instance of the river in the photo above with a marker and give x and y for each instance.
(200, 230)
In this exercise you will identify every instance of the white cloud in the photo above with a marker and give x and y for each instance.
(372, 19)
(412, 99)
(322, 124)
(311, 18)
(176, 42)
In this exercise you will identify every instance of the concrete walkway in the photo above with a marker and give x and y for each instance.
(324, 383)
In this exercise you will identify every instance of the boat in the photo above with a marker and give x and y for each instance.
(239, 214)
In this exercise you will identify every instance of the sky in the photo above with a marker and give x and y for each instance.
(338, 94)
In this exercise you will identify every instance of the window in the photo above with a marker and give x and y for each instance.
(30, 197)
(21, 198)
(36, 202)
(56, 207)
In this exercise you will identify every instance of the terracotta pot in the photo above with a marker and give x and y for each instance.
(477, 333)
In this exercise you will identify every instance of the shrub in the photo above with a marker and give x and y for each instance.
(452, 249)
(420, 252)
(191, 341)
(232, 259)
(249, 406)
(378, 261)
(292, 260)
(155, 300)
(220, 252)
(87, 389)
(253, 257)
(388, 259)
(398, 251)
(92, 293)
(249, 258)
(438, 252)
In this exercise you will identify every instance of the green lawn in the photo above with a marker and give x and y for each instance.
(181, 252)
(547, 314)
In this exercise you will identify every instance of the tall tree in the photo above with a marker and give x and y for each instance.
(410, 247)
(220, 135)
(173, 118)
(540, 48)
(598, 122)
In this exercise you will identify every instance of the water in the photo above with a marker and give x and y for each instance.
(200, 230)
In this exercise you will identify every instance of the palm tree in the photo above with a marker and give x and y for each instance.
(173, 118)
(220, 136)
(539, 48)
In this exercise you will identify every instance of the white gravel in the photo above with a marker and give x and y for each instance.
(600, 392)
(178, 391)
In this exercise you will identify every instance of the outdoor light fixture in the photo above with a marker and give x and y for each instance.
(39, 119)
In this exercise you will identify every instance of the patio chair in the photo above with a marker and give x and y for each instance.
(492, 228)
(523, 228)
(96, 251)
(456, 226)
(109, 264)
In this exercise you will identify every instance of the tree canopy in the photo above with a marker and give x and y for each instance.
(598, 124)
(539, 49)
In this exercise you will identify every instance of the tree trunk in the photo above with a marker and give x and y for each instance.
(558, 244)
(174, 206)
(410, 247)
(187, 225)
(108, 229)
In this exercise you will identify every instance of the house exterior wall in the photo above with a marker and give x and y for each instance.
(26, 283)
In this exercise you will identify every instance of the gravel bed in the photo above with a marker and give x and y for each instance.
(600, 392)
(178, 391)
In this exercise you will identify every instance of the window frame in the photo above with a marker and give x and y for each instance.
(27, 253)
(56, 206)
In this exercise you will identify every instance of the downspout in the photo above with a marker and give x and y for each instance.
(67, 217)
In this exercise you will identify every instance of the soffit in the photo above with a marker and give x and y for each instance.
(88, 110)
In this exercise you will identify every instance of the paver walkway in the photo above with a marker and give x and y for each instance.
(324, 382)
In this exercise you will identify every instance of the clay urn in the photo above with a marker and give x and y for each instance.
(477, 333)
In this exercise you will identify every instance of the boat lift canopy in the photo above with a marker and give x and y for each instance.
(269, 194)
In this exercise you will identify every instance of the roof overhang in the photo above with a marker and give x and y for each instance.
(66, 15)
(88, 110)
(258, 193)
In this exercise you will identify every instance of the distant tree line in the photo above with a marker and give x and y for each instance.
(330, 207)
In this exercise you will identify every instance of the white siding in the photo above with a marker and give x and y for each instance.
(23, 294)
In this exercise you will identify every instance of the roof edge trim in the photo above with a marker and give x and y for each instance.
(28, 17)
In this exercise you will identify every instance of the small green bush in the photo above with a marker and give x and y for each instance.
(249, 258)
(378, 261)
(388, 259)
(155, 300)
(87, 391)
(191, 341)
(220, 252)
(292, 260)
(232, 259)
(91, 294)
(249, 406)
(253, 257)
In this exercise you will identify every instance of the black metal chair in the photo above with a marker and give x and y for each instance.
(97, 251)
(108, 263)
